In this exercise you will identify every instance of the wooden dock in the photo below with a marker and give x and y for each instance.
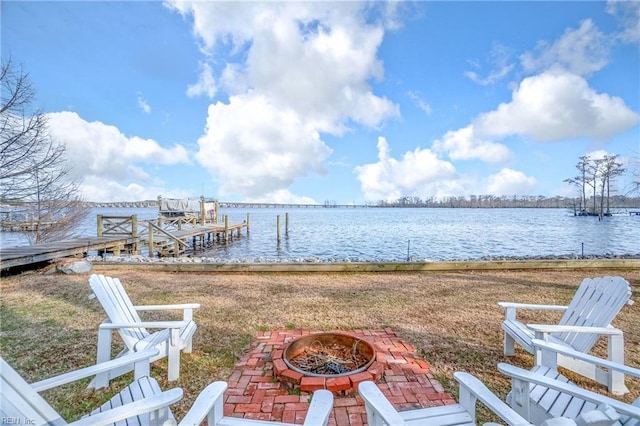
(37, 253)
(195, 237)
(117, 234)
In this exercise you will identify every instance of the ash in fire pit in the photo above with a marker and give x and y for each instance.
(329, 355)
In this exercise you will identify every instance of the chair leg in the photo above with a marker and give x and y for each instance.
(616, 354)
(509, 345)
(174, 355)
(103, 355)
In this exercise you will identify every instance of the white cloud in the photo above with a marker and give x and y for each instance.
(264, 156)
(143, 104)
(463, 144)
(292, 70)
(206, 84)
(510, 182)
(582, 51)
(100, 151)
(557, 105)
(419, 173)
(283, 196)
(500, 58)
(420, 103)
(628, 13)
(96, 188)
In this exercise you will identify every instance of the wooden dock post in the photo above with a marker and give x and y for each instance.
(151, 239)
(248, 222)
(226, 228)
(134, 233)
(203, 217)
(100, 224)
(286, 224)
(278, 228)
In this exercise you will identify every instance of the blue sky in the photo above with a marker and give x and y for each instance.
(331, 101)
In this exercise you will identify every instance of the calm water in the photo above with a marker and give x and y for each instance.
(375, 234)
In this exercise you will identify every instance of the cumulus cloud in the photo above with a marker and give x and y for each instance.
(263, 157)
(292, 70)
(100, 150)
(463, 144)
(581, 51)
(96, 188)
(510, 182)
(557, 105)
(283, 196)
(418, 173)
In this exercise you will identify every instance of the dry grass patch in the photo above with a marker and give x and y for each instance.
(49, 326)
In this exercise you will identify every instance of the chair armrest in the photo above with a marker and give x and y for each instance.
(132, 409)
(167, 307)
(376, 401)
(319, 409)
(553, 328)
(568, 388)
(469, 385)
(205, 403)
(553, 347)
(150, 324)
(532, 306)
(63, 379)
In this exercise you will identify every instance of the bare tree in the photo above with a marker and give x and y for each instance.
(608, 169)
(34, 172)
(586, 177)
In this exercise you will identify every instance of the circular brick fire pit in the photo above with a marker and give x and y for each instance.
(338, 361)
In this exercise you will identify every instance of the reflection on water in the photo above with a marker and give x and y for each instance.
(377, 234)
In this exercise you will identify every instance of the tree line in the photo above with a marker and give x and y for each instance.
(594, 184)
(503, 201)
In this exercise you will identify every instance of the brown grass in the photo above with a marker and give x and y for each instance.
(48, 325)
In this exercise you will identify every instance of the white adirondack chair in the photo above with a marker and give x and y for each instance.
(585, 319)
(122, 316)
(142, 403)
(380, 412)
(317, 415)
(539, 397)
(543, 393)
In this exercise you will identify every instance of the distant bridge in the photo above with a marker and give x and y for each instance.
(232, 204)
(223, 204)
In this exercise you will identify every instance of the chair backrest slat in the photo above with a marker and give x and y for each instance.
(118, 307)
(595, 304)
(19, 401)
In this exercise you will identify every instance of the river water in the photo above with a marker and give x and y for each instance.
(401, 234)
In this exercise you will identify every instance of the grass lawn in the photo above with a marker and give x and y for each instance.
(49, 326)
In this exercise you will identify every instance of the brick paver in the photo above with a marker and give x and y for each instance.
(257, 391)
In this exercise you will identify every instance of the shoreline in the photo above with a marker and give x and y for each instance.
(197, 264)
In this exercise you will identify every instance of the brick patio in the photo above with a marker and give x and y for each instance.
(254, 391)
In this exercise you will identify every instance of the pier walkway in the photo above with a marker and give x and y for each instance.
(37, 253)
